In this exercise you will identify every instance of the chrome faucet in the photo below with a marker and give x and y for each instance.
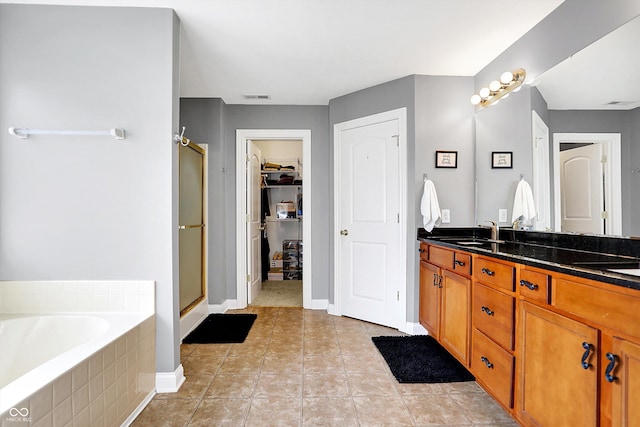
(495, 230)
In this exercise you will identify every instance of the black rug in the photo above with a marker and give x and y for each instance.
(420, 359)
(221, 329)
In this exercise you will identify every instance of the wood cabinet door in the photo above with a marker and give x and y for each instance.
(626, 383)
(555, 389)
(454, 326)
(429, 305)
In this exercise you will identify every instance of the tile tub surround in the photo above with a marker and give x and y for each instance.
(561, 252)
(303, 367)
(110, 383)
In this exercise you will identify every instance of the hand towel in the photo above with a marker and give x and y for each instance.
(429, 207)
(523, 204)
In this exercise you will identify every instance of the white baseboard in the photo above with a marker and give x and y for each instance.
(319, 304)
(229, 304)
(331, 309)
(131, 418)
(412, 328)
(193, 318)
(170, 382)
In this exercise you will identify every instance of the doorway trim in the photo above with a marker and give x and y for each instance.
(611, 143)
(399, 114)
(242, 136)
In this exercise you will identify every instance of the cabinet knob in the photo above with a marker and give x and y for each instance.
(610, 367)
(486, 362)
(531, 286)
(585, 357)
(488, 272)
(487, 310)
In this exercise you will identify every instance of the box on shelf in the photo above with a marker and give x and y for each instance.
(285, 210)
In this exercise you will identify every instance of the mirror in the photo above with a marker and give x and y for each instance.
(590, 101)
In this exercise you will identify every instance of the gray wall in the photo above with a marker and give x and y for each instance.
(439, 116)
(214, 122)
(634, 179)
(607, 122)
(91, 208)
(505, 126)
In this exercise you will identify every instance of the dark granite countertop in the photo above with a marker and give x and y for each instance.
(586, 256)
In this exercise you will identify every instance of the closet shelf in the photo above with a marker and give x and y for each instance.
(283, 219)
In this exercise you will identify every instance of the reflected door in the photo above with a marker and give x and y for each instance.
(582, 189)
(191, 228)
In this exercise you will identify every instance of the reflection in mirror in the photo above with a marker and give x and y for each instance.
(593, 98)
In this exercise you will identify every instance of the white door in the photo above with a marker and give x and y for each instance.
(254, 226)
(582, 189)
(541, 174)
(370, 269)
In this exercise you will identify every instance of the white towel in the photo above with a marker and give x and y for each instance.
(429, 207)
(523, 204)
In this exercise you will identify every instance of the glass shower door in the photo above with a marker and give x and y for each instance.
(191, 228)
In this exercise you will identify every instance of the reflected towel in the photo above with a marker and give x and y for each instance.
(523, 204)
(429, 207)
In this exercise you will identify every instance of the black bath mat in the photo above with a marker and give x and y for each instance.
(221, 329)
(420, 359)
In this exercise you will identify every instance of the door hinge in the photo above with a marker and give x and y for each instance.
(248, 218)
(248, 278)
(604, 159)
(398, 295)
(604, 215)
(397, 137)
(398, 218)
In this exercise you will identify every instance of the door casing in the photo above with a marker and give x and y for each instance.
(611, 143)
(242, 136)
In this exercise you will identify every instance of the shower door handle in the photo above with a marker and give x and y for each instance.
(188, 227)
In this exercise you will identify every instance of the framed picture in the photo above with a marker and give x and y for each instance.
(446, 159)
(502, 159)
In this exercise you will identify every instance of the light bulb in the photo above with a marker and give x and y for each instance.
(484, 92)
(475, 99)
(506, 77)
(494, 86)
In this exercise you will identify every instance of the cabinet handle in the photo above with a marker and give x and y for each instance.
(440, 281)
(435, 279)
(460, 263)
(487, 310)
(531, 286)
(612, 364)
(486, 362)
(585, 357)
(488, 272)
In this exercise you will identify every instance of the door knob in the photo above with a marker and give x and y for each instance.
(344, 232)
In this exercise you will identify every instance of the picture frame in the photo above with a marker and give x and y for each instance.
(447, 159)
(502, 160)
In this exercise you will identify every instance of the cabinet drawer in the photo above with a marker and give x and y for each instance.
(493, 367)
(441, 257)
(493, 314)
(533, 285)
(494, 273)
(617, 310)
(424, 252)
(462, 263)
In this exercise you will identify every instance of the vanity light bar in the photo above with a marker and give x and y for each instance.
(499, 88)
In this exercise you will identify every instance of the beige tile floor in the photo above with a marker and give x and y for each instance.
(307, 368)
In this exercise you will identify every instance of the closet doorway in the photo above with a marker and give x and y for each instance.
(273, 226)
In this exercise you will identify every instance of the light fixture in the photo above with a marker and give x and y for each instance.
(498, 89)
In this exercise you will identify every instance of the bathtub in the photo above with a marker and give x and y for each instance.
(92, 368)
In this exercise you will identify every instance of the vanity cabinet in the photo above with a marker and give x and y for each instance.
(581, 345)
(444, 298)
(493, 323)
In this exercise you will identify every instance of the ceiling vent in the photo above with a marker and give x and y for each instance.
(257, 96)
